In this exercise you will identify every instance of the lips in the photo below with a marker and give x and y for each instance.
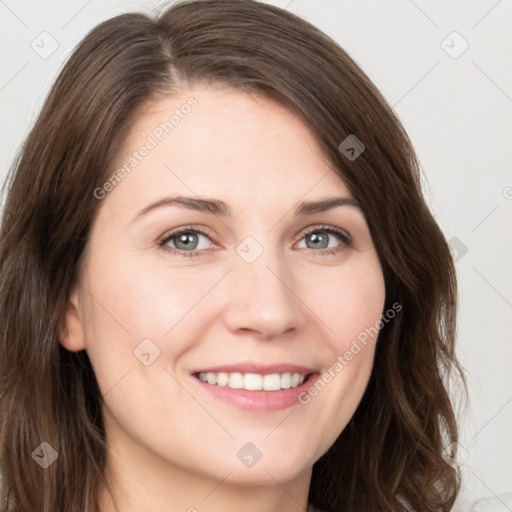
(256, 386)
(255, 377)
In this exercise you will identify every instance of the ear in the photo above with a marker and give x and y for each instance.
(72, 335)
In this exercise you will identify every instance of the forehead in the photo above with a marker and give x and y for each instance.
(223, 142)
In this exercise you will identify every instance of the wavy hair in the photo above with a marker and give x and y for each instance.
(390, 455)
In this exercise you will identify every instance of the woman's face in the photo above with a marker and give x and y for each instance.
(249, 296)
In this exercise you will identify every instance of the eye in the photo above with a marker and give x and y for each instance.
(185, 242)
(324, 239)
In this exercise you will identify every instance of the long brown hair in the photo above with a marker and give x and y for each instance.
(390, 456)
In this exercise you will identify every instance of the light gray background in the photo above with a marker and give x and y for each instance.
(457, 110)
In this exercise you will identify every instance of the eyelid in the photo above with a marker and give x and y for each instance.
(326, 227)
(184, 229)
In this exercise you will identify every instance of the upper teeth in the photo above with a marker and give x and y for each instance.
(254, 381)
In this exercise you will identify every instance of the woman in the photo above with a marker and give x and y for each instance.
(221, 286)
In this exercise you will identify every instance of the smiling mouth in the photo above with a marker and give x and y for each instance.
(254, 381)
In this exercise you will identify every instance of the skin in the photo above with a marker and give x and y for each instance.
(172, 445)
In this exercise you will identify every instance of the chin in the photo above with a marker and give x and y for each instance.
(271, 467)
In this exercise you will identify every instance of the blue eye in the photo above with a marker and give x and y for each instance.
(320, 238)
(186, 241)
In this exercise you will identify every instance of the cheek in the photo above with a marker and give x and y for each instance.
(352, 312)
(131, 302)
(351, 302)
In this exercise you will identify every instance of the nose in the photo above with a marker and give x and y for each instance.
(263, 300)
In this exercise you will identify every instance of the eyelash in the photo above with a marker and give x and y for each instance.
(345, 238)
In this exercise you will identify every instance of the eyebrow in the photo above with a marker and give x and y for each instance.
(219, 207)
